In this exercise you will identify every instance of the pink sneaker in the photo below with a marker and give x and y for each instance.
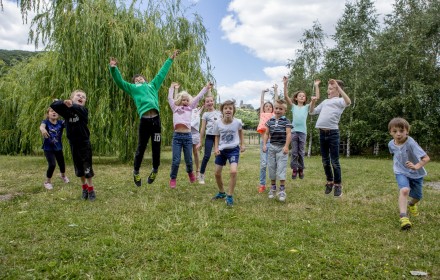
(48, 185)
(65, 179)
(173, 183)
(192, 177)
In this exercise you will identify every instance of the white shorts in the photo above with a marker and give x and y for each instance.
(195, 136)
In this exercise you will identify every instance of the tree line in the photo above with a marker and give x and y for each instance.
(390, 69)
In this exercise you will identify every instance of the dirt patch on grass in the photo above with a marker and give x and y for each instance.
(434, 185)
(8, 196)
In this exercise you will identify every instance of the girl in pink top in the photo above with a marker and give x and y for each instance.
(266, 112)
(182, 107)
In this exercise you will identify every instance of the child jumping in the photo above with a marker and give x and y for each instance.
(209, 117)
(146, 99)
(182, 108)
(77, 119)
(52, 130)
(300, 111)
(266, 112)
(409, 160)
(228, 145)
(278, 131)
(330, 111)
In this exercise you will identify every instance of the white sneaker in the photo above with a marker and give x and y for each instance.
(272, 193)
(282, 196)
(202, 179)
(65, 179)
(48, 185)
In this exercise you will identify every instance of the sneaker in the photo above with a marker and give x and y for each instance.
(338, 191)
(85, 194)
(405, 224)
(173, 183)
(294, 173)
(48, 185)
(229, 201)
(262, 189)
(220, 195)
(92, 195)
(137, 179)
(282, 196)
(301, 173)
(328, 188)
(192, 177)
(413, 210)
(202, 179)
(272, 193)
(65, 179)
(152, 177)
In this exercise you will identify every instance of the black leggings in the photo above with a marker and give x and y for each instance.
(51, 156)
(148, 128)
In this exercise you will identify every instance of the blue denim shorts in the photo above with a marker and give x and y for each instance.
(233, 155)
(415, 185)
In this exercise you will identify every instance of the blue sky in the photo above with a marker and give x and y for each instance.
(250, 41)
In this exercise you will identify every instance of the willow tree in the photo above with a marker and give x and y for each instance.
(80, 36)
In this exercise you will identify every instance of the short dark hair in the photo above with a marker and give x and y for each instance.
(399, 123)
(138, 75)
(295, 95)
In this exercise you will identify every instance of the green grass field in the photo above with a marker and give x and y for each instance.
(154, 232)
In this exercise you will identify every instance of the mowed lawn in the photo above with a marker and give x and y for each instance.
(154, 232)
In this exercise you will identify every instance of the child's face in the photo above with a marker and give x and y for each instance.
(79, 98)
(399, 134)
(209, 103)
(51, 114)
(332, 90)
(228, 111)
(279, 110)
(185, 101)
(268, 108)
(301, 98)
(139, 80)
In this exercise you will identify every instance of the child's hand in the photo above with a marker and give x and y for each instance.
(275, 86)
(285, 150)
(313, 98)
(242, 148)
(412, 166)
(217, 152)
(68, 103)
(198, 146)
(44, 132)
(175, 54)
(264, 148)
(113, 62)
(317, 82)
(209, 85)
(265, 90)
(174, 85)
(285, 80)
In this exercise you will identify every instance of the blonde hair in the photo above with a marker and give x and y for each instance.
(75, 91)
(180, 96)
(46, 114)
(282, 103)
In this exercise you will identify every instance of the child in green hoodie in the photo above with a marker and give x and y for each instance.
(146, 99)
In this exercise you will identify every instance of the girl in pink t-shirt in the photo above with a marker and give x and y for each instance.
(266, 112)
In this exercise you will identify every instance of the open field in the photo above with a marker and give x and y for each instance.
(153, 232)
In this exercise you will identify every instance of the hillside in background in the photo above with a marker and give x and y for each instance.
(12, 57)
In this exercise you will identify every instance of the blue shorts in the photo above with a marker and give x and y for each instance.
(233, 155)
(415, 185)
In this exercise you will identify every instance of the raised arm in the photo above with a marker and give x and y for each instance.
(199, 96)
(275, 93)
(171, 95)
(312, 104)
(176, 90)
(160, 76)
(316, 86)
(117, 77)
(341, 92)
(262, 100)
(286, 91)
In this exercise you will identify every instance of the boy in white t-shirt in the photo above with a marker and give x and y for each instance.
(330, 111)
(228, 144)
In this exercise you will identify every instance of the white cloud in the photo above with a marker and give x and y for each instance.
(271, 29)
(13, 32)
(250, 91)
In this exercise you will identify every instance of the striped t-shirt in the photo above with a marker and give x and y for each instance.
(277, 130)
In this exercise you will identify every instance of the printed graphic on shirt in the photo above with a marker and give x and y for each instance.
(228, 137)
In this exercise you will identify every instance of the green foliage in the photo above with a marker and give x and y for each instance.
(81, 37)
(155, 232)
(250, 118)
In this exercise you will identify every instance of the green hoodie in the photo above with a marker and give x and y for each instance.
(145, 95)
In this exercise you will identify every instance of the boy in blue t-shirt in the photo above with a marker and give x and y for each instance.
(409, 160)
